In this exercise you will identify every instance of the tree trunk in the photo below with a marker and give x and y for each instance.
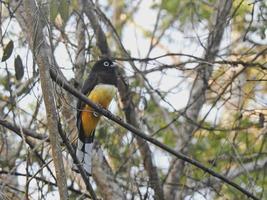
(197, 97)
(33, 27)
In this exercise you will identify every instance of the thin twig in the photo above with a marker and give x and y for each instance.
(139, 133)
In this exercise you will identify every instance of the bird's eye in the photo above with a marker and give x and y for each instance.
(106, 63)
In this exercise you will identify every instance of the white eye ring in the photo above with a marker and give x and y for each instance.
(106, 63)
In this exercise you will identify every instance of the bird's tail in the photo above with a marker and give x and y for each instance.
(84, 155)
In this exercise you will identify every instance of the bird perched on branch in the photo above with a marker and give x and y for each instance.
(100, 87)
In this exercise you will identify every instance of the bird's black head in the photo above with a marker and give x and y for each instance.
(104, 64)
(105, 71)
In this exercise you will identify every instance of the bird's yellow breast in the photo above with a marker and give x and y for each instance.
(102, 94)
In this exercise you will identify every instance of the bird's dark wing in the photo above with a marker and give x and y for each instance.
(88, 86)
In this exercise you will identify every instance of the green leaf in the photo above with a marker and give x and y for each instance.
(19, 69)
(53, 10)
(74, 4)
(8, 50)
(64, 10)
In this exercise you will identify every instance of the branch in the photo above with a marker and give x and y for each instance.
(75, 160)
(247, 167)
(80, 61)
(32, 146)
(28, 132)
(104, 177)
(31, 20)
(197, 94)
(112, 191)
(131, 117)
(139, 133)
(101, 40)
(43, 180)
(231, 174)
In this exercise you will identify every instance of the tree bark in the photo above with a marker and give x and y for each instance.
(197, 97)
(32, 26)
(104, 177)
(131, 118)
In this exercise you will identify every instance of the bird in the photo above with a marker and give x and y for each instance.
(100, 87)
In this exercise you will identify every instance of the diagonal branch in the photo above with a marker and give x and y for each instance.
(79, 166)
(231, 174)
(129, 108)
(101, 40)
(130, 113)
(25, 131)
(32, 25)
(197, 95)
(37, 178)
(31, 144)
(140, 134)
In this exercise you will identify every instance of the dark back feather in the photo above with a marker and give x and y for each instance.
(103, 71)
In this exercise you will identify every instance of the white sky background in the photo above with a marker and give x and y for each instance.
(138, 45)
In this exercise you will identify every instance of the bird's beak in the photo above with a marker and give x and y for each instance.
(117, 65)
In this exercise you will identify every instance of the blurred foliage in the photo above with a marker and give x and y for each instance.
(228, 139)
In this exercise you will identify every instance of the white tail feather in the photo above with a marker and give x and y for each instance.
(88, 158)
(79, 152)
(84, 155)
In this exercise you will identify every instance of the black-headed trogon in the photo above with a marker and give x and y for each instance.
(100, 87)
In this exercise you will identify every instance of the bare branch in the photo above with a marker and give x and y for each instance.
(131, 117)
(31, 23)
(140, 134)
